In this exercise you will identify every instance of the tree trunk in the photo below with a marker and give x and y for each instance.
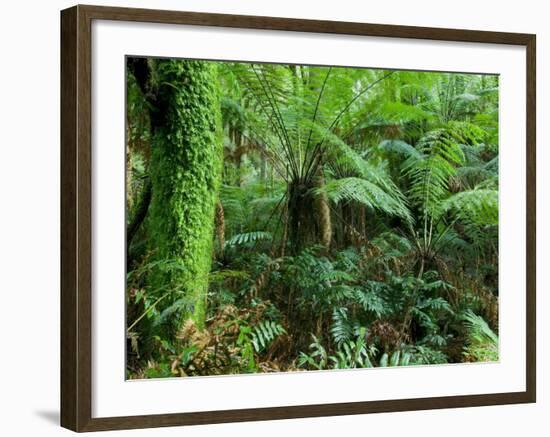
(301, 223)
(363, 223)
(322, 212)
(139, 213)
(220, 227)
(185, 166)
(129, 169)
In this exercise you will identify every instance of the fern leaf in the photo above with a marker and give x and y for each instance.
(479, 206)
(248, 238)
(366, 193)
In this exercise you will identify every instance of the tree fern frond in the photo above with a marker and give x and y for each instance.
(441, 154)
(366, 193)
(479, 206)
(400, 147)
(248, 237)
(400, 113)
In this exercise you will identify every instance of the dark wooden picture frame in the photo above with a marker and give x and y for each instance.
(76, 218)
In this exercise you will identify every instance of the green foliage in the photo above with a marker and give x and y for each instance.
(342, 328)
(482, 341)
(397, 358)
(249, 212)
(248, 238)
(310, 218)
(366, 193)
(478, 206)
(422, 355)
(246, 343)
(264, 333)
(352, 354)
(429, 174)
(349, 355)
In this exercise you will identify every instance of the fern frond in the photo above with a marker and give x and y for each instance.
(342, 328)
(366, 193)
(400, 147)
(370, 301)
(482, 341)
(429, 175)
(479, 206)
(264, 334)
(248, 238)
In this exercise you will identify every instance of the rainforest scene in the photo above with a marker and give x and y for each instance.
(292, 218)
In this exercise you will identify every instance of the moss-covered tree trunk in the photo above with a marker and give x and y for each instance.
(185, 167)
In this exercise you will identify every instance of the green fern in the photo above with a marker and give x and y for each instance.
(248, 238)
(265, 333)
(352, 354)
(429, 175)
(397, 358)
(342, 328)
(317, 358)
(479, 206)
(400, 147)
(367, 193)
(246, 348)
(482, 341)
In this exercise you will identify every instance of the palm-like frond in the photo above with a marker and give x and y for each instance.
(248, 238)
(366, 193)
(429, 175)
(400, 147)
(401, 113)
(479, 206)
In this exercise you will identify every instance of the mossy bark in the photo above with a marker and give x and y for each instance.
(185, 168)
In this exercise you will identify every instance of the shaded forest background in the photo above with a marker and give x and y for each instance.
(287, 217)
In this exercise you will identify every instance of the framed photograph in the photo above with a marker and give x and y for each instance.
(268, 218)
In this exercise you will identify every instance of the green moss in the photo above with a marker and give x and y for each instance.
(185, 172)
